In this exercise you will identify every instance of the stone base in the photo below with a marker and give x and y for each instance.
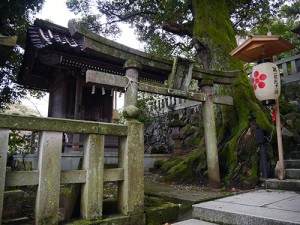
(13, 201)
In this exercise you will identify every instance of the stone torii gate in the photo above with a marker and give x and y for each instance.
(183, 73)
(157, 75)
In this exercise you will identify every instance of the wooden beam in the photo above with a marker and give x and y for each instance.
(93, 77)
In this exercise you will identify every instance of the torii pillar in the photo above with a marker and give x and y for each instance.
(210, 137)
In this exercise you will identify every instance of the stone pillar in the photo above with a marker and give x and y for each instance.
(210, 138)
(49, 162)
(131, 150)
(131, 159)
(92, 189)
(4, 135)
(132, 71)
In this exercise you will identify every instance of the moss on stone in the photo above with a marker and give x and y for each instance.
(188, 130)
(207, 81)
(163, 214)
(65, 191)
(176, 123)
(186, 169)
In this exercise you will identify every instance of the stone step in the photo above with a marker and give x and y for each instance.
(295, 154)
(293, 173)
(288, 184)
(17, 221)
(194, 222)
(257, 208)
(292, 163)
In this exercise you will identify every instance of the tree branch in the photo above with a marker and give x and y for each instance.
(178, 29)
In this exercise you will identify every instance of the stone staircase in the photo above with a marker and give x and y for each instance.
(258, 207)
(292, 181)
(278, 205)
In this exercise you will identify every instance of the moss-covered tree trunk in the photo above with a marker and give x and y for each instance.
(213, 38)
(213, 29)
(214, 33)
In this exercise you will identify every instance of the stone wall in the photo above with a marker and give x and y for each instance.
(158, 137)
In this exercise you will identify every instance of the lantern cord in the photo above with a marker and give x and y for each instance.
(270, 139)
(270, 108)
(272, 114)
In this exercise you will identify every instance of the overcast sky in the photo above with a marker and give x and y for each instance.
(57, 12)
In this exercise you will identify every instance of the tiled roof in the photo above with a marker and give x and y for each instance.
(50, 47)
(42, 38)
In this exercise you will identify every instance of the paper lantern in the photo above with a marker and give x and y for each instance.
(266, 82)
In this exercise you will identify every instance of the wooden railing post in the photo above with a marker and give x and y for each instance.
(4, 135)
(92, 190)
(49, 162)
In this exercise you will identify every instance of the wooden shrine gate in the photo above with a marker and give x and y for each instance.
(176, 86)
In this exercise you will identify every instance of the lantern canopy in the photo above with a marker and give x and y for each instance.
(266, 82)
(259, 47)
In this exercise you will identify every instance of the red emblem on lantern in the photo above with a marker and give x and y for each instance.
(258, 79)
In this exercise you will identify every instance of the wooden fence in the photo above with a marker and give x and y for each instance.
(290, 68)
(91, 176)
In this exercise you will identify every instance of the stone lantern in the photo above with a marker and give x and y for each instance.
(176, 124)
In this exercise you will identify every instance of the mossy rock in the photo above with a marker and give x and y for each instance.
(163, 214)
(192, 140)
(196, 120)
(177, 123)
(188, 130)
(186, 169)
